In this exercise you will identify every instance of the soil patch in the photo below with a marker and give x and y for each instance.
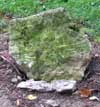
(9, 94)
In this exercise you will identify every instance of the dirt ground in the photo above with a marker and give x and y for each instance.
(9, 94)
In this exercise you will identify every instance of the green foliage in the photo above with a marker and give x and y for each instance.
(86, 10)
(22, 8)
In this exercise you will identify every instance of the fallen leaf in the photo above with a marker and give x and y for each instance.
(17, 102)
(84, 92)
(31, 97)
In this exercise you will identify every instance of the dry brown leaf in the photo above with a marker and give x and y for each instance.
(84, 92)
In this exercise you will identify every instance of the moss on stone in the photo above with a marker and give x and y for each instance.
(48, 40)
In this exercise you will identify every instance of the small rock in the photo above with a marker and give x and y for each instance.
(52, 103)
(19, 78)
(14, 80)
(63, 85)
(93, 98)
(96, 55)
(41, 86)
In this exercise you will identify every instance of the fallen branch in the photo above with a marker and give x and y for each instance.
(9, 59)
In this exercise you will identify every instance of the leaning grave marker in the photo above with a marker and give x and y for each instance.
(49, 45)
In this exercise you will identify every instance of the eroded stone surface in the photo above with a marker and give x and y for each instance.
(63, 85)
(50, 45)
(43, 86)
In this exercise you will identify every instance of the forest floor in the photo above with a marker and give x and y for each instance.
(9, 94)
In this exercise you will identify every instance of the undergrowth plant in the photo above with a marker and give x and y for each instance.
(86, 10)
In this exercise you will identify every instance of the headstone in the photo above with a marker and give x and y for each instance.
(50, 45)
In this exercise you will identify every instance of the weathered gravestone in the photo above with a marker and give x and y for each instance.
(49, 45)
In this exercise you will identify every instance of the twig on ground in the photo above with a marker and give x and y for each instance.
(8, 58)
